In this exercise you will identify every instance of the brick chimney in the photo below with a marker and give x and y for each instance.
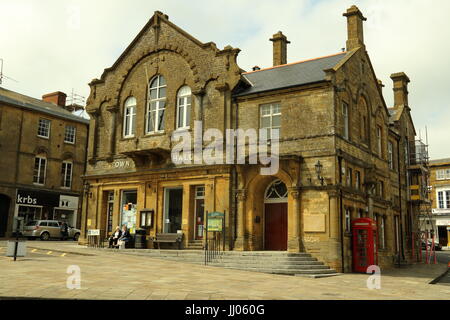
(355, 29)
(280, 43)
(401, 81)
(58, 98)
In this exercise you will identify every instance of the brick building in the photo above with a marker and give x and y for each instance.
(343, 154)
(43, 149)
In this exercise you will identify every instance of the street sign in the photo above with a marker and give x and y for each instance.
(94, 232)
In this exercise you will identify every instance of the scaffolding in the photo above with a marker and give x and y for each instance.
(422, 222)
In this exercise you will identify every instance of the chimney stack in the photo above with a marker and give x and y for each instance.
(58, 98)
(401, 81)
(280, 43)
(355, 29)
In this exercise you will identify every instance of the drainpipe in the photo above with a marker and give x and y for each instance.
(341, 203)
(234, 175)
(400, 201)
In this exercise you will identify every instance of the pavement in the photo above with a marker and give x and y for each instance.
(108, 275)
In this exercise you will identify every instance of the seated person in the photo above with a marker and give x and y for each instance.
(125, 237)
(115, 237)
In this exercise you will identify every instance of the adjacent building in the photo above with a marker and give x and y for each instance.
(440, 197)
(43, 148)
(343, 153)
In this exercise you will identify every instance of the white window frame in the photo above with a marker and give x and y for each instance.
(70, 134)
(47, 127)
(443, 199)
(345, 116)
(65, 176)
(274, 110)
(348, 220)
(129, 117)
(38, 177)
(443, 174)
(159, 102)
(184, 102)
(382, 233)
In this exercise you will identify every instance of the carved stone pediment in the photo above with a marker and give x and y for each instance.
(150, 157)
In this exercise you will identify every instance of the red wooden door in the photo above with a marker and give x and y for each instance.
(276, 226)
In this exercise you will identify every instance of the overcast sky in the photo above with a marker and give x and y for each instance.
(51, 45)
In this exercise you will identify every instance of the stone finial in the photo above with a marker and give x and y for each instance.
(355, 30)
(280, 43)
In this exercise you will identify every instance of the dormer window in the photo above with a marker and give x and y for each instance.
(156, 105)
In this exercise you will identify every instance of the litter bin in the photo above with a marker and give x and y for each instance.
(140, 239)
(21, 248)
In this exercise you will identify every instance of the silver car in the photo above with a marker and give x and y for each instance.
(46, 229)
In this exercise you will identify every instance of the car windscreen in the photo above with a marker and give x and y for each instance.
(31, 223)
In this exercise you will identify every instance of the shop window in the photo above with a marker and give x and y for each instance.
(40, 166)
(184, 107)
(156, 105)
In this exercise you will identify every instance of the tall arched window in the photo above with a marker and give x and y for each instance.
(184, 107)
(276, 192)
(129, 117)
(156, 105)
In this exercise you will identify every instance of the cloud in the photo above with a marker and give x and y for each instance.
(50, 45)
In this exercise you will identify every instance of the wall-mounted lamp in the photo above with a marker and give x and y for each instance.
(86, 189)
(319, 167)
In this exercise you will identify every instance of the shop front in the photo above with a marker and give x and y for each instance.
(44, 205)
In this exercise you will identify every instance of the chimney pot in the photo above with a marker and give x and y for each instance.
(280, 43)
(58, 98)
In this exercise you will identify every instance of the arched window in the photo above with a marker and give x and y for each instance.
(156, 105)
(184, 107)
(129, 117)
(40, 169)
(276, 192)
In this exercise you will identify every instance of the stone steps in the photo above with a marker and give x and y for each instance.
(257, 261)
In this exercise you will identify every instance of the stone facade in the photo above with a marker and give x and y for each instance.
(349, 147)
(21, 144)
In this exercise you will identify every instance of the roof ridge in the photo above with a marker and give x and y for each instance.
(297, 62)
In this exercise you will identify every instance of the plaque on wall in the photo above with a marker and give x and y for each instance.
(314, 223)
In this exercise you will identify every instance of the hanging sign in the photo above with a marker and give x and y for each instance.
(215, 221)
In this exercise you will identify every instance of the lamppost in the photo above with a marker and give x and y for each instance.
(319, 167)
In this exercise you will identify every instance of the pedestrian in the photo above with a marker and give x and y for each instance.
(64, 231)
(124, 238)
(115, 237)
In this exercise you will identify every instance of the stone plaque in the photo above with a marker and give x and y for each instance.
(314, 223)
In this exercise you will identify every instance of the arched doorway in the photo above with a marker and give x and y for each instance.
(276, 217)
(4, 212)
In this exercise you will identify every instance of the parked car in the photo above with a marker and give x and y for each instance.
(437, 245)
(46, 229)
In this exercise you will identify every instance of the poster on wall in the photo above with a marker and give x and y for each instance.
(129, 217)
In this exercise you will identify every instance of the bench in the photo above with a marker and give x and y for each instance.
(168, 238)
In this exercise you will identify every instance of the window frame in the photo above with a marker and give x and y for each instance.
(74, 134)
(346, 120)
(41, 120)
(443, 202)
(156, 121)
(131, 124)
(39, 170)
(271, 115)
(187, 105)
(64, 171)
(391, 155)
(380, 141)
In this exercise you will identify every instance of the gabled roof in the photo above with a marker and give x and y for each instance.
(288, 75)
(26, 102)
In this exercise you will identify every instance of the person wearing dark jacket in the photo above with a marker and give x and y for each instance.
(64, 231)
(115, 237)
(125, 237)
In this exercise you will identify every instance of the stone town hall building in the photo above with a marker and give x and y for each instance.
(342, 150)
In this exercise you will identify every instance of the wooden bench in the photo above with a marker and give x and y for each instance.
(168, 238)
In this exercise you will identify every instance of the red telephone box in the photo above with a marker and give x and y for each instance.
(365, 239)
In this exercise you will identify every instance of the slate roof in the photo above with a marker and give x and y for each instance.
(29, 103)
(289, 75)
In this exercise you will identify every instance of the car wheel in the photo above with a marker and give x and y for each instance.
(45, 236)
(76, 237)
